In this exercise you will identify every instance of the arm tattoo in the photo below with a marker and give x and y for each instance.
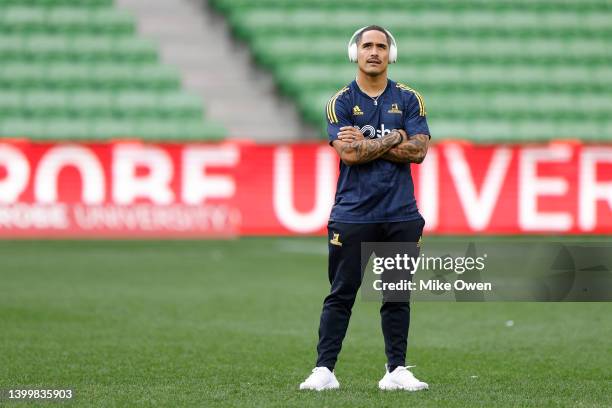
(363, 151)
(411, 151)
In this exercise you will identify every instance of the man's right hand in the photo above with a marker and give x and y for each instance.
(350, 134)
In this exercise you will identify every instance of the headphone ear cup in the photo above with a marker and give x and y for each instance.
(352, 52)
(393, 54)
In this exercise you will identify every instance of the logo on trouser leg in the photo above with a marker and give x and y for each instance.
(335, 239)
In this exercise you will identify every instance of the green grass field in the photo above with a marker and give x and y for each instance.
(234, 323)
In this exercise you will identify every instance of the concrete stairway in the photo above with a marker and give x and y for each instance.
(237, 94)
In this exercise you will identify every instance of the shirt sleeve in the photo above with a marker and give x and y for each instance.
(337, 116)
(416, 116)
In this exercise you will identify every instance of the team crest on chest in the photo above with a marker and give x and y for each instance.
(357, 110)
(394, 109)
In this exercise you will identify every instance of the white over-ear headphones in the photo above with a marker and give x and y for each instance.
(352, 47)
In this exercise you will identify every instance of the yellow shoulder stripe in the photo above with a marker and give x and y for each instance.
(331, 106)
(418, 96)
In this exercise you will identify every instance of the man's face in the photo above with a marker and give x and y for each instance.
(373, 53)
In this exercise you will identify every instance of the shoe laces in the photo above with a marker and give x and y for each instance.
(403, 371)
(316, 370)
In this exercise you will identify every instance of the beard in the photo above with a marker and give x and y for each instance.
(374, 71)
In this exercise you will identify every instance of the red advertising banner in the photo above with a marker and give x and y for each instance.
(133, 189)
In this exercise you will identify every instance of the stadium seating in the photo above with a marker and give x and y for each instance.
(77, 70)
(488, 70)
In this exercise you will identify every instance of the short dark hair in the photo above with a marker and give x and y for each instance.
(373, 28)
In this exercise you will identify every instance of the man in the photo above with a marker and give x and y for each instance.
(378, 127)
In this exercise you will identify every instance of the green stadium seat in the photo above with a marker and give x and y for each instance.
(94, 20)
(90, 103)
(10, 44)
(21, 127)
(155, 76)
(68, 17)
(56, 3)
(112, 20)
(158, 76)
(85, 75)
(64, 47)
(40, 45)
(44, 103)
(182, 104)
(66, 129)
(93, 46)
(23, 17)
(112, 75)
(134, 48)
(66, 75)
(10, 103)
(112, 128)
(161, 129)
(18, 75)
(209, 130)
(136, 101)
(180, 130)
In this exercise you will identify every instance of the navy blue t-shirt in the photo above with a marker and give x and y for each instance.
(380, 190)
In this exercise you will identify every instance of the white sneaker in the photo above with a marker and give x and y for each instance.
(320, 379)
(401, 379)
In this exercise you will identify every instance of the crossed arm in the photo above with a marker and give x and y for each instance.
(412, 150)
(397, 147)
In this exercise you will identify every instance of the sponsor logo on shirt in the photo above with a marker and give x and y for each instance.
(371, 132)
(357, 110)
